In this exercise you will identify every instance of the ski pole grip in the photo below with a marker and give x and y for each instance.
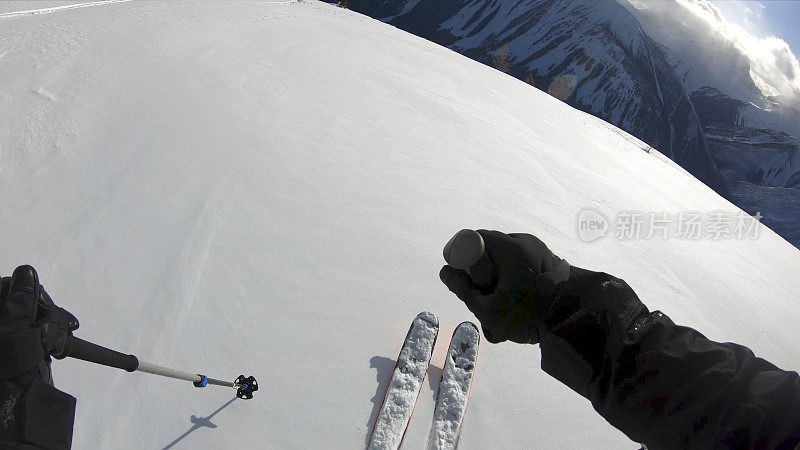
(467, 251)
(97, 354)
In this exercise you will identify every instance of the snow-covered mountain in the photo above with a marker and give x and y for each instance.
(749, 123)
(599, 57)
(265, 188)
(592, 54)
(706, 57)
(762, 168)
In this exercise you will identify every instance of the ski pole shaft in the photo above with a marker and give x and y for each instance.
(177, 374)
(88, 351)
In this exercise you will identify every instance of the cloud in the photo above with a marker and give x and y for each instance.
(774, 68)
(785, 62)
(770, 57)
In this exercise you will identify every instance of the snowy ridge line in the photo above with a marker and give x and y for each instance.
(36, 12)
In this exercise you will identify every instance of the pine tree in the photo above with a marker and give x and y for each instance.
(529, 79)
(502, 59)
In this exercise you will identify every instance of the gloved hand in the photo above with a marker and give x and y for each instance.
(31, 325)
(34, 413)
(57, 325)
(528, 279)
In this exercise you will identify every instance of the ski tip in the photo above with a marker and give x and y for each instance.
(467, 324)
(468, 331)
(429, 317)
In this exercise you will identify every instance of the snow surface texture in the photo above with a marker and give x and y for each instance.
(40, 10)
(459, 369)
(266, 189)
(406, 383)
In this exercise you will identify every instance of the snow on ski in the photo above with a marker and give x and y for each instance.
(406, 383)
(457, 374)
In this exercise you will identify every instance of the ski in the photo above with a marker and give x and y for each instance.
(457, 374)
(406, 382)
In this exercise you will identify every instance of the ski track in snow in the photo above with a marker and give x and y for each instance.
(191, 267)
(36, 12)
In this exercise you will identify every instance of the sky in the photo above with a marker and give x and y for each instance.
(764, 32)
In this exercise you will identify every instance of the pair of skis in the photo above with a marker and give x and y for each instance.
(407, 379)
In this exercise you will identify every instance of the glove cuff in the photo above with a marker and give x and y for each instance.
(22, 352)
(47, 417)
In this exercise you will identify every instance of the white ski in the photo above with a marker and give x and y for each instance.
(451, 404)
(406, 383)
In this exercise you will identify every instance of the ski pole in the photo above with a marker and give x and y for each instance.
(88, 351)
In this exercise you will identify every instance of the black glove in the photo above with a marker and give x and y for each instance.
(528, 277)
(31, 325)
(34, 413)
(57, 325)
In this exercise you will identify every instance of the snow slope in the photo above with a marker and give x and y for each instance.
(592, 54)
(265, 189)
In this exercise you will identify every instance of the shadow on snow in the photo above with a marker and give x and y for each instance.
(385, 367)
(199, 422)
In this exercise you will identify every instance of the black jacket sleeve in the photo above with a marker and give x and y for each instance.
(662, 384)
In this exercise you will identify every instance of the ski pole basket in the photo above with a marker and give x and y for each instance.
(245, 387)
